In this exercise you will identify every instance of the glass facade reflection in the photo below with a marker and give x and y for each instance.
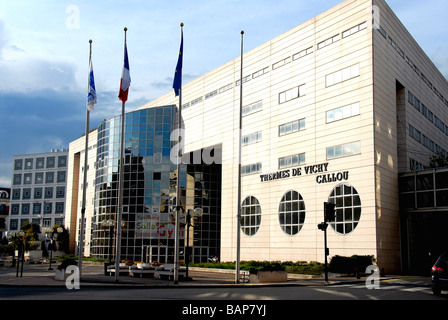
(149, 191)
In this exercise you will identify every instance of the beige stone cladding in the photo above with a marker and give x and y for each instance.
(75, 183)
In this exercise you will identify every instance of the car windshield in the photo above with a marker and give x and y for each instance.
(442, 262)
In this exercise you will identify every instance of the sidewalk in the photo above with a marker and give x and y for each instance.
(38, 275)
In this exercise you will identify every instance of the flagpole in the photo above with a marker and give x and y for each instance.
(178, 193)
(238, 231)
(84, 188)
(121, 184)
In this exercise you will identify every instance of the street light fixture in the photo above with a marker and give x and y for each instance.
(51, 232)
(110, 223)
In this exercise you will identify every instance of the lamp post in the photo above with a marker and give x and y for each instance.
(20, 236)
(51, 232)
(110, 223)
(196, 213)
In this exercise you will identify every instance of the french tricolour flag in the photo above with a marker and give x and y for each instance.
(125, 78)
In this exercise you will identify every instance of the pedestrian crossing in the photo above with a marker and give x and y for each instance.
(404, 286)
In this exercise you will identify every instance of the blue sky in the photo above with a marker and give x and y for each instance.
(44, 52)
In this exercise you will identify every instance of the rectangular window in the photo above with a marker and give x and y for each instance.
(37, 193)
(40, 163)
(342, 75)
(39, 178)
(291, 127)
(281, 63)
(13, 224)
(27, 178)
(245, 79)
(26, 194)
(354, 30)
(195, 101)
(291, 161)
(48, 207)
(17, 179)
(50, 162)
(327, 42)
(260, 72)
(18, 164)
(250, 169)
(226, 88)
(62, 161)
(251, 138)
(15, 194)
(60, 192)
(61, 176)
(343, 112)
(28, 163)
(49, 177)
(59, 208)
(258, 106)
(48, 192)
(36, 208)
(211, 94)
(292, 94)
(303, 53)
(344, 150)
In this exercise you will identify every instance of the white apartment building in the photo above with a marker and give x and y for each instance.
(38, 189)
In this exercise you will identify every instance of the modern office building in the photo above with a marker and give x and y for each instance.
(38, 189)
(333, 111)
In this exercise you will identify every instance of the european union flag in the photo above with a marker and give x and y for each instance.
(177, 84)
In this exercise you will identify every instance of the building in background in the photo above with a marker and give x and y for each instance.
(38, 189)
(4, 209)
(333, 111)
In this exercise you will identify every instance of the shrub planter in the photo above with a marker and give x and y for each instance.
(269, 277)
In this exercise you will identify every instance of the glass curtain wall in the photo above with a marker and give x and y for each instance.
(149, 187)
(149, 193)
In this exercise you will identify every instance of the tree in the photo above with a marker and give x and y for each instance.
(31, 233)
(438, 161)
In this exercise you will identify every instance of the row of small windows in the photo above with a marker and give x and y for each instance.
(292, 212)
(291, 94)
(427, 113)
(344, 150)
(46, 223)
(343, 112)
(291, 161)
(291, 127)
(251, 168)
(342, 75)
(38, 208)
(334, 152)
(251, 138)
(40, 163)
(281, 63)
(412, 65)
(38, 193)
(421, 138)
(39, 178)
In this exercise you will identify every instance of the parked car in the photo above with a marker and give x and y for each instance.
(439, 274)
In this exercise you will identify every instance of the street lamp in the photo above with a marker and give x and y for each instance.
(196, 213)
(20, 236)
(51, 232)
(110, 223)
